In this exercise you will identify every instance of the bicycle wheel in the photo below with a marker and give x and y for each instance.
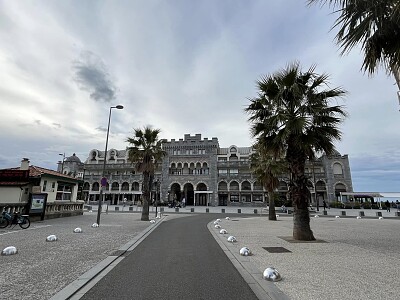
(3, 222)
(24, 222)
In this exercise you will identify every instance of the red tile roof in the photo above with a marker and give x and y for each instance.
(35, 171)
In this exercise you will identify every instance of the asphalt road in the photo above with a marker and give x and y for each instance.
(178, 260)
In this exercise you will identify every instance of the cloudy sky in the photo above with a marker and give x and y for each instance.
(182, 66)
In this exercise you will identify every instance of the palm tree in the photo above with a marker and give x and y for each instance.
(146, 151)
(267, 170)
(372, 24)
(291, 116)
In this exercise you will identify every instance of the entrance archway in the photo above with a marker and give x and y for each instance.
(175, 193)
(339, 187)
(202, 198)
(188, 193)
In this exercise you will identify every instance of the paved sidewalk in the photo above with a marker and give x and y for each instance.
(351, 259)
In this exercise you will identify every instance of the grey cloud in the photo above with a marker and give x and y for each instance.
(101, 128)
(58, 125)
(90, 73)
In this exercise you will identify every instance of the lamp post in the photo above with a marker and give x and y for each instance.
(103, 180)
(62, 163)
(157, 194)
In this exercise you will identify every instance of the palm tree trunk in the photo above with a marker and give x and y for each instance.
(146, 196)
(271, 212)
(301, 215)
(299, 194)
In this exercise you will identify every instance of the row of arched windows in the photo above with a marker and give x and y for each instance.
(115, 186)
(189, 168)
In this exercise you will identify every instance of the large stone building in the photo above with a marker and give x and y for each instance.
(205, 174)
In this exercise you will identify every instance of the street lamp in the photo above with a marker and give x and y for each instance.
(157, 194)
(103, 180)
(62, 164)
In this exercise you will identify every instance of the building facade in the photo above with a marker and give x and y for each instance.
(205, 174)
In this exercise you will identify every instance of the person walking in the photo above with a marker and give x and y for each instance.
(387, 204)
(397, 205)
(324, 203)
(183, 202)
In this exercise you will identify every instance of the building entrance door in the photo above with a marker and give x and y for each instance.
(202, 200)
(222, 200)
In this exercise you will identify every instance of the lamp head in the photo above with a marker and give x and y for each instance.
(119, 107)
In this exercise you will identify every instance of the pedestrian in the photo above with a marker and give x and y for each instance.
(387, 204)
(183, 202)
(324, 203)
(397, 205)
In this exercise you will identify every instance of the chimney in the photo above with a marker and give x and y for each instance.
(24, 164)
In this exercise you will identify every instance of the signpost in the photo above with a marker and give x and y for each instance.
(37, 205)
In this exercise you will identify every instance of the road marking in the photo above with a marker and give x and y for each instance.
(36, 227)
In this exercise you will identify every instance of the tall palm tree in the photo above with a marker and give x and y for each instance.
(267, 170)
(291, 115)
(146, 151)
(372, 24)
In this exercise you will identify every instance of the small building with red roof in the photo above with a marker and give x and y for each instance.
(18, 184)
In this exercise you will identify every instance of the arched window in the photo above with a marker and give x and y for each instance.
(246, 186)
(321, 186)
(95, 186)
(201, 187)
(257, 186)
(115, 186)
(234, 186)
(337, 169)
(135, 186)
(222, 186)
(125, 186)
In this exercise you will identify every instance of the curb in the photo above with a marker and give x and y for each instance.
(86, 281)
(264, 290)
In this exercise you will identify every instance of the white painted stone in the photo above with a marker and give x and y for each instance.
(223, 231)
(95, 225)
(271, 274)
(232, 239)
(245, 251)
(78, 230)
(51, 238)
(10, 250)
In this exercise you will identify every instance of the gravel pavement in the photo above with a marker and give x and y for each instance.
(41, 269)
(351, 259)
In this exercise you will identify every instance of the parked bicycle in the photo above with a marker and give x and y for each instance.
(10, 219)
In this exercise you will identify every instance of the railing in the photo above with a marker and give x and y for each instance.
(52, 210)
(13, 207)
(61, 207)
